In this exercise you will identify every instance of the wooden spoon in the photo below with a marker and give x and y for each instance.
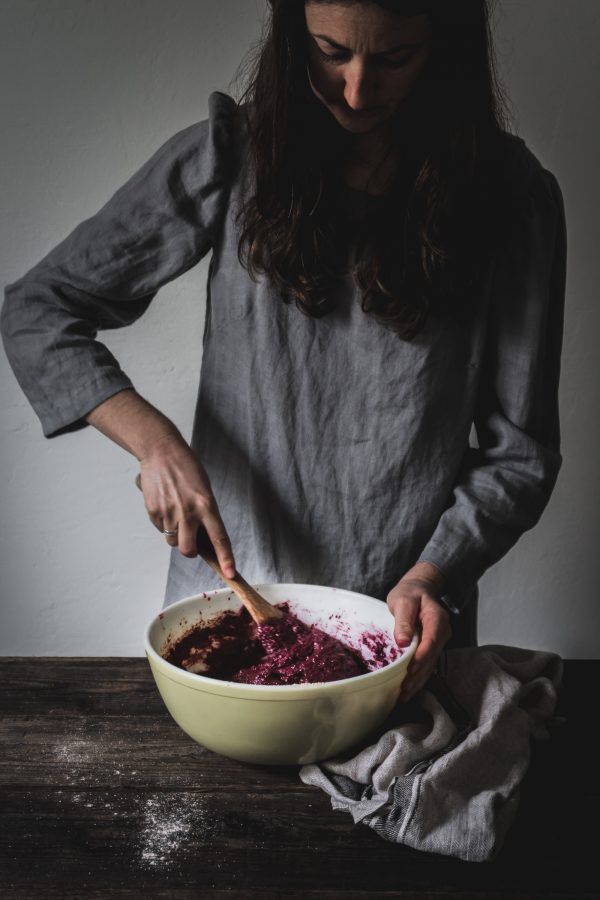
(260, 609)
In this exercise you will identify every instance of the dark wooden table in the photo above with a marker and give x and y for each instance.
(103, 796)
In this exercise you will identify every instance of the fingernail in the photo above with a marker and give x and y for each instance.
(403, 641)
(229, 571)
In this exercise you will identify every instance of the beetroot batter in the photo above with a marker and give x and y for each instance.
(233, 648)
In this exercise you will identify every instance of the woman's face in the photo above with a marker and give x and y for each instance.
(364, 60)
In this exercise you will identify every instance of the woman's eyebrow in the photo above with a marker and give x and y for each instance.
(381, 52)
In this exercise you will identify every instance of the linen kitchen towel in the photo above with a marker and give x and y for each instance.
(443, 773)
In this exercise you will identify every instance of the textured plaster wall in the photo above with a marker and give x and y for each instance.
(88, 90)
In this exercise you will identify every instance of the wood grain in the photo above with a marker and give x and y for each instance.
(102, 796)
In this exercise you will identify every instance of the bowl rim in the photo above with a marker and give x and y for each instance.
(283, 691)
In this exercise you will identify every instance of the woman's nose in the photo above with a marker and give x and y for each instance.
(359, 88)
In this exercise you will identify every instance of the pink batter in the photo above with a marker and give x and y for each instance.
(301, 654)
(233, 648)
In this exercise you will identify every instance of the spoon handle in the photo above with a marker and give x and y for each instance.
(260, 609)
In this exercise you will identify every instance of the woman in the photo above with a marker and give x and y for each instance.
(387, 270)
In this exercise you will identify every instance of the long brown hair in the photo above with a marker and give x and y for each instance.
(421, 250)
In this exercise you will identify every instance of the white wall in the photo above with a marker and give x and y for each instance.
(88, 90)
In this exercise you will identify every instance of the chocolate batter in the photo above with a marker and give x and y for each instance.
(233, 648)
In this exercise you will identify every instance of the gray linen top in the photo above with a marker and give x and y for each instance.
(338, 453)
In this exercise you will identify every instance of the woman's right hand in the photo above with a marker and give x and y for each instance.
(176, 489)
(179, 498)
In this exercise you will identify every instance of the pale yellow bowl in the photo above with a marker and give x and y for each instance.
(283, 724)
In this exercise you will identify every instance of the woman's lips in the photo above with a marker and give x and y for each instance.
(363, 112)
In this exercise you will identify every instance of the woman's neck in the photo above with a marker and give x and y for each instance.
(371, 163)
(370, 148)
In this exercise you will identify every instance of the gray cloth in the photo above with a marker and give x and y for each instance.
(444, 776)
(338, 453)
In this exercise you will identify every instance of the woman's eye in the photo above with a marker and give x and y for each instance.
(338, 58)
(396, 63)
(331, 57)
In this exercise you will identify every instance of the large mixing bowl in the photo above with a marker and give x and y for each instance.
(282, 724)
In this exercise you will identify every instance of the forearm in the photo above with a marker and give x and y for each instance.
(493, 504)
(504, 483)
(427, 572)
(176, 488)
(134, 424)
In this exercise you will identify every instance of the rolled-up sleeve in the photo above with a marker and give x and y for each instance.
(105, 273)
(505, 483)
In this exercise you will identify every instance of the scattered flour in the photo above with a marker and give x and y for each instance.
(88, 761)
(76, 751)
(167, 826)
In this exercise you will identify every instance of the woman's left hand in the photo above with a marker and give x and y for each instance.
(414, 604)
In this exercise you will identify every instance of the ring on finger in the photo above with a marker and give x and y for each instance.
(170, 533)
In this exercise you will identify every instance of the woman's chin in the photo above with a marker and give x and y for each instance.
(359, 123)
